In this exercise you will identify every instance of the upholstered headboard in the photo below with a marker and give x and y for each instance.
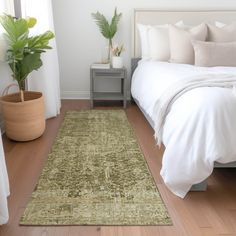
(191, 17)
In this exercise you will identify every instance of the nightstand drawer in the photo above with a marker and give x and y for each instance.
(108, 74)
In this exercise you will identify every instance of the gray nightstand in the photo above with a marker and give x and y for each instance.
(97, 74)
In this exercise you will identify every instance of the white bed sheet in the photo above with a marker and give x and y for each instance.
(200, 128)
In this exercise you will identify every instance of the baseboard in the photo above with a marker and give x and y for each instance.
(75, 95)
(79, 95)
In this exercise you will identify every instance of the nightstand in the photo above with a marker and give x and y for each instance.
(113, 74)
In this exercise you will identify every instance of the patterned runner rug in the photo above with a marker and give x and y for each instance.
(96, 174)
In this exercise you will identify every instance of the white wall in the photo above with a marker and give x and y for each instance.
(80, 42)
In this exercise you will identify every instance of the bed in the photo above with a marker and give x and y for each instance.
(191, 153)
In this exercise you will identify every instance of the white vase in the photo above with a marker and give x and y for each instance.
(117, 62)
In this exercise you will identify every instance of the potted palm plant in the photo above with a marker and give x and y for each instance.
(108, 30)
(23, 112)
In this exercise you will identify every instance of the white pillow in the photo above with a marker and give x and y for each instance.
(214, 54)
(158, 40)
(182, 25)
(226, 33)
(181, 48)
(151, 37)
(143, 29)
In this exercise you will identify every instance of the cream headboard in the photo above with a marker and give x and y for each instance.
(191, 17)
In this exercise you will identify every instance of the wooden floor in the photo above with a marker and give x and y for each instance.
(201, 213)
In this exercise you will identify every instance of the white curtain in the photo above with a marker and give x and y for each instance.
(6, 6)
(4, 187)
(46, 79)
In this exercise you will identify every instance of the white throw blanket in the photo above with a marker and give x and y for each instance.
(164, 104)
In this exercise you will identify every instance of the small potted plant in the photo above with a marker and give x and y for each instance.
(117, 60)
(23, 112)
(108, 30)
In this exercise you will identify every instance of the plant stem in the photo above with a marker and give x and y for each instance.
(21, 85)
(110, 43)
(109, 50)
(22, 95)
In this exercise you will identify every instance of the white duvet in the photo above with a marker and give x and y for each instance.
(200, 127)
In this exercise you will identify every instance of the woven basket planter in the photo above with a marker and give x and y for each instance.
(24, 121)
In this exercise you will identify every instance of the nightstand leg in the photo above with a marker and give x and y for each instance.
(125, 92)
(91, 89)
(125, 105)
(91, 103)
(122, 86)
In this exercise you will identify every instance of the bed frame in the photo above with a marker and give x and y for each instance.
(159, 16)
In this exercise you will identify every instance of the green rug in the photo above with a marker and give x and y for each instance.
(96, 175)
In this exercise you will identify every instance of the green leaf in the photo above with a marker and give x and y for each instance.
(102, 24)
(15, 29)
(30, 63)
(31, 21)
(114, 23)
(41, 41)
(19, 45)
